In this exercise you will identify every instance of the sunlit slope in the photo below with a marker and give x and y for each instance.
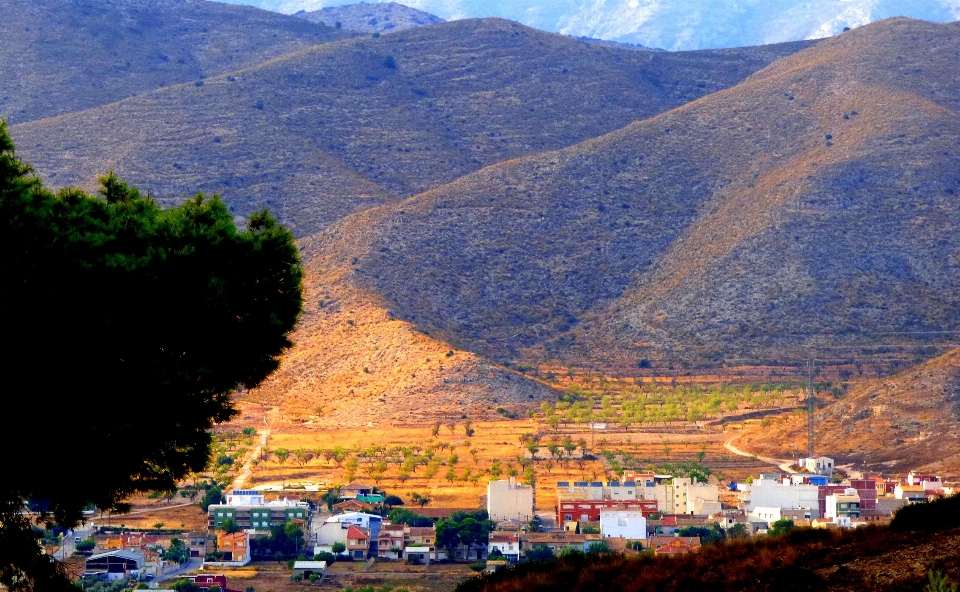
(904, 422)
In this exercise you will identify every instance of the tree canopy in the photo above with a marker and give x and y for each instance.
(464, 528)
(131, 325)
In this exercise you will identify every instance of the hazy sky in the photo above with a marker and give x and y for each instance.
(674, 24)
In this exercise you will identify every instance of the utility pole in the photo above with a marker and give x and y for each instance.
(811, 407)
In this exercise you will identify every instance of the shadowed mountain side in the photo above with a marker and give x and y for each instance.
(381, 17)
(58, 56)
(319, 134)
(806, 202)
(354, 363)
(842, 227)
(903, 422)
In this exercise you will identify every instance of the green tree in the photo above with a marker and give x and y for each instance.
(538, 553)
(408, 517)
(173, 305)
(185, 586)
(598, 547)
(213, 496)
(468, 528)
(178, 551)
(229, 526)
(738, 531)
(781, 526)
(420, 499)
(338, 548)
(939, 582)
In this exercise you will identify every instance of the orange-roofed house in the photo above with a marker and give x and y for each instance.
(234, 549)
(358, 542)
(674, 545)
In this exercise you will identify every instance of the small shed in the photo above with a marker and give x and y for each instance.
(308, 568)
(115, 563)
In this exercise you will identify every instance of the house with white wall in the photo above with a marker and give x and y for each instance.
(626, 524)
(509, 500)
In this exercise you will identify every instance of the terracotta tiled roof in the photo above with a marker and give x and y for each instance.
(422, 531)
(355, 533)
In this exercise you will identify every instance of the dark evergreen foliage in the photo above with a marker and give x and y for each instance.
(130, 326)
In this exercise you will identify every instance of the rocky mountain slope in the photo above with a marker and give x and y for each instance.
(382, 17)
(903, 422)
(677, 24)
(812, 206)
(58, 56)
(345, 126)
(356, 363)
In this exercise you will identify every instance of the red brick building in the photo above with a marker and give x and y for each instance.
(589, 510)
(866, 489)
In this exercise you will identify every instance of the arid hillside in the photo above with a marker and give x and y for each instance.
(379, 17)
(355, 363)
(345, 126)
(58, 56)
(814, 205)
(907, 421)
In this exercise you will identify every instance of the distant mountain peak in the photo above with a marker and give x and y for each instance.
(383, 17)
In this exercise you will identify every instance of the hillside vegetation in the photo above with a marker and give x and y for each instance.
(58, 56)
(921, 540)
(813, 205)
(900, 423)
(345, 126)
(381, 17)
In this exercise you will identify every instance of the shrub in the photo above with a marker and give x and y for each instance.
(935, 515)
(477, 566)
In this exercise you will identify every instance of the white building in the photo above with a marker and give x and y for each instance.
(821, 465)
(767, 493)
(371, 522)
(508, 543)
(842, 507)
(626, 524)
(699, 499)
(330, 533)
(508, 500)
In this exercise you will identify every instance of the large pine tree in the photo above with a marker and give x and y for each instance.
(126, 327)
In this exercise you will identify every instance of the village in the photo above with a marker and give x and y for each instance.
(359, 529)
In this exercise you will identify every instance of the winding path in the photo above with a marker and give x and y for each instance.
(783, 464)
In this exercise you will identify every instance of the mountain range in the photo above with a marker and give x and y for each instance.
(811, 207)
(477, 197)
(675, 24)
(340, 127)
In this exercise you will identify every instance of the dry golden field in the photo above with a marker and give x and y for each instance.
(452, 468)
